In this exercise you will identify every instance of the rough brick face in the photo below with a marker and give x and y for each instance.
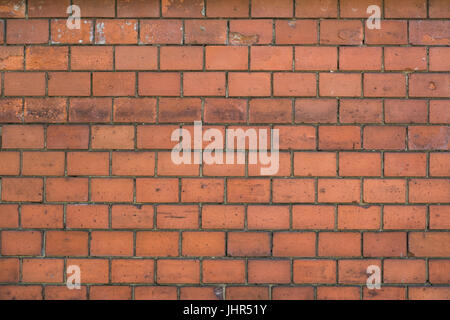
(89, 119)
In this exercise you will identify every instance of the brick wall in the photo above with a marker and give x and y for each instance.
(87, 177)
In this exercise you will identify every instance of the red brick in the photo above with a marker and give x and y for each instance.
(429, 190)
(429, 244)
(30, 31)
(137, 8)
(22, 189)
(339, 137)
(440, 164)
(313, 217)
(384, 85)
(315, 110)
(222, 217)
(25, 243)
(69, 84)
(405, 111)
(387, 190)
(179, 109)
(12, 292)
(428, 138)
(359, 217)
(405, 58)
(225, 110)
(24, 84)
(429, 85)
(248, 244)
(157, 243)
(362, 58)
(49, 110)
(84, 216)
(67, 137)
(340, 84)
(267, 217)
(66, 243)
(429, 293)
(391, 32)
(203, 244)
(182, 8)
(384, 137)
(11, 110)
(155, 137)
(132, 271)
(177, 217)
(48, 8)
(87, 163)
(293, 84)
(357, 8)
(248, 190)
(247, 293)
(355, 271)
(9, 214)
(13, 9)
(439, 271)
(361, 111)
(314, 164)
(10, 270)
(293, 293)
(338, 190)
(348, 32)
(385, 244)
(316, 9)
(43, 163)
(226, 58)
(161, 31)
(135, 110)
(297, 137)
(133, 163)
(359, 164)
(155, 293)
(112, 190)
(118, 31)
(46, 58)
(205, 31)
(112, 137)
(90, 109)
(427, 32)
(298, 244)
(166, 167)
(248, 32)
(110, 293)
(230, 8)
(296, 31)
(64, 293)
(339, 244)
(438, 111)
(315, 58)
(405, 9)
(438, 9)
(159, 84)
(9, 163)
(204, 84)
(439, 59)
(269, 271)
(91, 58)
(267, 8)
(385, 293)
(12, 58)
(102, 8)
(404, 217)
(271, 58)
(111, 243)
(290, 190)
(42, 270)
(136, 58)
(113, 84)
(181, 58)
(178, 271)
(405, 164)
(338, 293)
(249, 84)
(18, 136)
(157, 190)
(202, 190)
(223, 271)
(61, 34)
(56, 189)
(314, 271)
(270, 111)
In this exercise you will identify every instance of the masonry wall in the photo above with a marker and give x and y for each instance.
(87, 179)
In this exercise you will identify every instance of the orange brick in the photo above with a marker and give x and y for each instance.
(248, 244)
(203, 244)
(156, 243)
(177, 217)
(111, 243)
(339, 190)
(87, 216)
(313, 217)
(359, 164)
(392, 32)
(43, 163)
(91, 58)
(247, 32)
(384, 137)
(132, 217)
(314, 271)
(223, 271)
(161, 31)
(111, 190)
(112, 137)
(9, 214)
(359, 217)
(24, 84)
(361, 111)
(428, 138)
(42, 270)
(404, 217)
(136, 58)
(222, 217)
(205, 31)
(429, 190)
(339, 244)
(298, 244)
(387, 190)
(133, 163)
(340, 84)
(439, 217)
(268, 217)
(49, 110)
(66, 243)
(440, 164)
(87, 163)
(157, 190)
(248, 190)
(404, 271)
(347, 32)
(290, 190)
(9, 163)
(118, 31)
(113, 84)
(24, 243)
(67, 137)
(405, 164)
(60, 34)
(29, 31)
(56, 189)
(46, 58)
(178, 271)
(22, 189)
(154, 84)
(272, 271)
(42, 216)
(384, 244)
(132, 271)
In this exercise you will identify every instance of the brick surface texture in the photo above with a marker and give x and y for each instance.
(87, 179)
